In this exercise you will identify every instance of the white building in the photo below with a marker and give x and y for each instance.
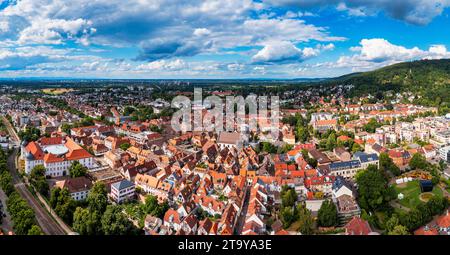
(78, 187)
(122, 191)
(56, 154)
(444, 153)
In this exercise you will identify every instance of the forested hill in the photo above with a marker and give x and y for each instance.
(428, 78)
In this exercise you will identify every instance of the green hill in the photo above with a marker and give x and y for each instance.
(428, 78)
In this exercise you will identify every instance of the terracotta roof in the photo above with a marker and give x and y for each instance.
(444, 221)
(172, 216)
(426, 231)
(229, 137)
(50, 141)
(35, 150)
(326, 122)
(357, 226)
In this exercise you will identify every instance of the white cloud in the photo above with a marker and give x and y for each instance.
(201, 32)
(374, 53)
(235, 67)
(176, 64)
(283, 52)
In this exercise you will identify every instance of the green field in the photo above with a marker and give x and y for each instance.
(412, 194)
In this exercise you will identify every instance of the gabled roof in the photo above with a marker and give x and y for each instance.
(357, 226)
(75, 184)
(340, 182)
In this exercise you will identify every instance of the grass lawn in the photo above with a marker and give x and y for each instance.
(411, 191)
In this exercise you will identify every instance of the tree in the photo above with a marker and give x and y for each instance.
(21, 213)
(305, 219)
(302, 134)
(399, 230)
(372, 125)
(63, 204)
(98, 198)
(77, 170)
(37, 179)
(125, 146)
(387, 165)
(392, 222)
(288, 216)
(327, 215)
(331, 142)
(114, 222)
(269, 147)
(288, 196)
(356, 147)
(35, 231)
(30, 134)
(86, 222)
(373, 189)
(6, 183)
(418, 161)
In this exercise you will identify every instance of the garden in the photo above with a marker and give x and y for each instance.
(412, 194)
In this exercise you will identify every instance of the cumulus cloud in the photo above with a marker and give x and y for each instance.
(418, 12)
(54, 31)
(374, 53)
(282, 52)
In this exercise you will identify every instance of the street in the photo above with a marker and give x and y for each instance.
(241, 218)
(6, 225)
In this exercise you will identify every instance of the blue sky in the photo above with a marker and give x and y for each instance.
(216, 38)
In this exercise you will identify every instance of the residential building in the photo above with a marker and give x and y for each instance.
(122, 191)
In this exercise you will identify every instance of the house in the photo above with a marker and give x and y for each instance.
(152, 224)
(342, 154)
(321, 158)
(154, 185)
(229, 140)
(172, 219)
(324, 125)
(78, 187)
(345, 169)
(207, 227)
(341, 187)
(189, 224)
(358, 226)
(367, 159)
(400, 158)
(122, 191)
(347, 208)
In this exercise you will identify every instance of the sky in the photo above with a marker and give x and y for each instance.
(185, 39)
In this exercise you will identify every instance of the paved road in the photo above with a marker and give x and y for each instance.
(6, 225)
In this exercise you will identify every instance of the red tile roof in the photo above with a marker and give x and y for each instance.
(357, 226)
